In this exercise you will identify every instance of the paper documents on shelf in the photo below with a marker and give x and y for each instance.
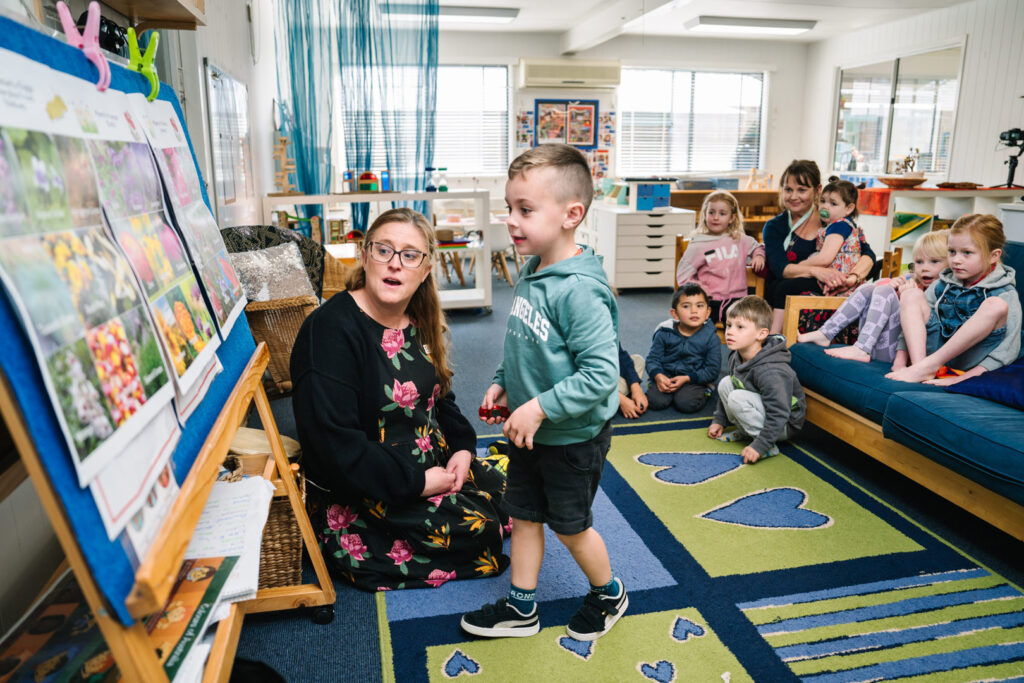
(232, 524)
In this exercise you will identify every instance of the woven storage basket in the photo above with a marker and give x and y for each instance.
(277, 322)
(335, 275)
(281, 550)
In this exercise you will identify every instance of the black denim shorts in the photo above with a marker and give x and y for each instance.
(556, 485)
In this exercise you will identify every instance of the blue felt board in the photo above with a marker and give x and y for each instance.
(110, 567)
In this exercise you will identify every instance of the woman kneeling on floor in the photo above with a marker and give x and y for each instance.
(396, 495)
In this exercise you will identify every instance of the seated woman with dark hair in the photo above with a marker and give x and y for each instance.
(791, 238)
(397, 497)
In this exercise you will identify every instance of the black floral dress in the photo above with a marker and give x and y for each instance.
(412, 542)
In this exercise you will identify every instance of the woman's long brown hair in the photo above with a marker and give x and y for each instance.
(425, 306)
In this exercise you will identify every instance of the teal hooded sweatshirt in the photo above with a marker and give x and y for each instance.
(561, 345)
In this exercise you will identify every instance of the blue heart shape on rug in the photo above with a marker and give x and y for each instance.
(459, 663)
(770, 509)
(684, 628)
(663, 671)
(580, 648)
(690, 468)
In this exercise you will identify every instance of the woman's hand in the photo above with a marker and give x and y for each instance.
(437, 480)
(849, 283)
(830, 278)
(494, 396)
(524, 423)
(458, 465)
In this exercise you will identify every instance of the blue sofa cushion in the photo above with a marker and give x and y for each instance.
(861, 387)
(979, 439)
(1005, 385)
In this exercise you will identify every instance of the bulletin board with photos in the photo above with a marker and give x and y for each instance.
(120, 316)
(571, 122)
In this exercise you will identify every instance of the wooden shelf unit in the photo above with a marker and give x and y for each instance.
(757, 206)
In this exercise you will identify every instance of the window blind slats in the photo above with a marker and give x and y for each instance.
(678, 121)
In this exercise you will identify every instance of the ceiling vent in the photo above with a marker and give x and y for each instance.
(568, 73)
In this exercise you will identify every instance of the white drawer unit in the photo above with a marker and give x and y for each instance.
(638, 247)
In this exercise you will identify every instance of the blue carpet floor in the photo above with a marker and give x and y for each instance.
(349, 647)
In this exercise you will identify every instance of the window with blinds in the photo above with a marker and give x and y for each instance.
(680, 121)
(471, 125)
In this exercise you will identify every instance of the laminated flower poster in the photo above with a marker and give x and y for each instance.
(192, 218)
(97, 347)
(132, 199)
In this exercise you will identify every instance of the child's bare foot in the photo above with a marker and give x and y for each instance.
(849, 353)
(815, 337)
(917, 373)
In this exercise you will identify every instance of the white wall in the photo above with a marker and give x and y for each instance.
(226, 43)
(991, 85)
(785, 63)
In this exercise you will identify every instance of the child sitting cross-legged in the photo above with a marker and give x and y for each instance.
(686, 354)
(761, 395)
(876, 305)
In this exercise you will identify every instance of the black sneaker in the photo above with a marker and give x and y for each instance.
(597, 615)
(501, 620)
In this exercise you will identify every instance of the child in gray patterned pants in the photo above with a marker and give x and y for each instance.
(876, 306)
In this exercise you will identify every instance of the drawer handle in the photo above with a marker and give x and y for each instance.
(653, 272)
(657, 225)
(653, 260)
(656, 246)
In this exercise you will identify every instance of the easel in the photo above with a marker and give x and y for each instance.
(131, 646)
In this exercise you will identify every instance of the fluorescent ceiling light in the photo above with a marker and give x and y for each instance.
(489, 15)
(457, 13)
(749, 25)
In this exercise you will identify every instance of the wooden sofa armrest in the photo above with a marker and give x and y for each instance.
(795, 304)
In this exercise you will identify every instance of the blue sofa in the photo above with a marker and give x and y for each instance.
(969, 450)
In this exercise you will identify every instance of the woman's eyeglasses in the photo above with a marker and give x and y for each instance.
(383, 253)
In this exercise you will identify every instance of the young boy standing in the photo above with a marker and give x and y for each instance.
(685, 357)
(761, 394)
(558, 377)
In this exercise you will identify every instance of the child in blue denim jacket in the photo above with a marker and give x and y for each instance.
(969, 321)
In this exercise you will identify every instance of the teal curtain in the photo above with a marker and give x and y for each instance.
(407, 60)
(387, 54)
(305, 46)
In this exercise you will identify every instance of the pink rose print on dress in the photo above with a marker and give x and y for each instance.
(435, 500)
(433, 396)
(438, 577)
(401, 552)
(339, 517)
(394, 345)
(424, 443)
(392, 342)
(403, 396)
(353, 545)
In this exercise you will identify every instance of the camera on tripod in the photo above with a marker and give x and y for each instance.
(1012, 138)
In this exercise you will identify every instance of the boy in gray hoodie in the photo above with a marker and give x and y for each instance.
(558, 378)
(761, 394)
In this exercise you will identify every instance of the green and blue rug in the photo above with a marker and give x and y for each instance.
(784, 570)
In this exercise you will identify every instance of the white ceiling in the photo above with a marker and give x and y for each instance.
(586, 23)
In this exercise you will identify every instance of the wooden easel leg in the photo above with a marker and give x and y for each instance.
(457, 265)
(288, 597)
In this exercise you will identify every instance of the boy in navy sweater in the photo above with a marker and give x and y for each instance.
(685, 357)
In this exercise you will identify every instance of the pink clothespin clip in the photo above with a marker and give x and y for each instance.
(88, 41)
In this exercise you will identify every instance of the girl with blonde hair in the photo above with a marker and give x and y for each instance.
(719, 253)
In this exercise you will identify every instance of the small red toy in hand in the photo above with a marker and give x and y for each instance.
(495, 412)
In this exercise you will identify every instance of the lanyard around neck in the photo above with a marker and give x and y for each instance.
(793, 228)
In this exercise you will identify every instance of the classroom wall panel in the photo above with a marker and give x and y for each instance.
(784, 61)
(991, 88)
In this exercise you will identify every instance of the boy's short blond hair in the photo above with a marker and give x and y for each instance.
(932, 244)
(574, 184)
(752, 308)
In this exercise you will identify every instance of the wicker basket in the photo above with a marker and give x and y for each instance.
(335, 276)
(277, 322)
(281, 550)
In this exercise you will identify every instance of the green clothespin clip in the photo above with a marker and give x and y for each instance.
(144, 64)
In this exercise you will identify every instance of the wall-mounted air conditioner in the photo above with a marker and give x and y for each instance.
(568, 73)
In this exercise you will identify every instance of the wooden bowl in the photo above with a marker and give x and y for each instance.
(899, 183)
